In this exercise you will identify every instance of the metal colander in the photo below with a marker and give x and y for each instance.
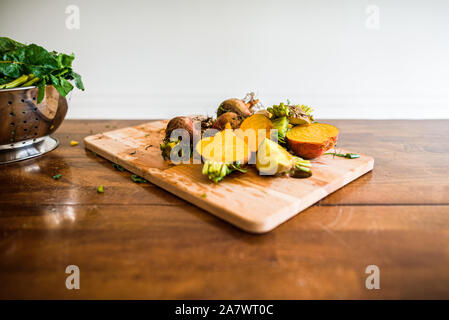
(25, 126)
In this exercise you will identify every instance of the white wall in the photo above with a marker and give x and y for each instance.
(156, 59)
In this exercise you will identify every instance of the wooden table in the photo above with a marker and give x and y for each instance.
(138, 241)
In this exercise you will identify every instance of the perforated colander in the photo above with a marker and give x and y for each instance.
(25, 126)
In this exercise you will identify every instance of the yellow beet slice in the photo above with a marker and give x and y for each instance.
(254, 130)
(224, 147)
(273, 159)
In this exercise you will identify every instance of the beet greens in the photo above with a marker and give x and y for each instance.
(31, 65)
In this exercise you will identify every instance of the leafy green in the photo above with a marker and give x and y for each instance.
(138, 179)
(216, 171)
(78, 82)
(7, 44)
(345, 155)
(50, 67)
(4, 80)
(118, 167)
(280, 110)
(289, 110)
(281, 124)
(61, 84)
(41, 91)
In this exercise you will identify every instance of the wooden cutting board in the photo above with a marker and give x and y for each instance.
(254, 203)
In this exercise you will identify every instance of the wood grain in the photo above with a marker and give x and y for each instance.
(252, 202)
(180, 252)
(139, 241)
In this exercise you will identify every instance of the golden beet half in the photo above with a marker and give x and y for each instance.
(224, 147)
(254, 130)
(312, 140)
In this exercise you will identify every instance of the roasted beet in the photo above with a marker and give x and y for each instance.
(182, 122)
(242, 107)
(229, 117)
(234, 105)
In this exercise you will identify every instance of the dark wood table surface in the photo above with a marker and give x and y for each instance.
(139, 241)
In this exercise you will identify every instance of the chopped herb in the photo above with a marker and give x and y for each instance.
(147, 135)
(118, 167)
(57, 177)
(100, 189)
(73, 143)
(345, 155)
(138, 179)
(203, 195)
(107, 126)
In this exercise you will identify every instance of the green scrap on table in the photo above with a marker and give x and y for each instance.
(118, 167)
(57, 177)
(138, 179)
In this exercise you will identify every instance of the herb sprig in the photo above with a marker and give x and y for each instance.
(345, 155)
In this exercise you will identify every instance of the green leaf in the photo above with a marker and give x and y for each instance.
(7, 44)
(62, 85)
(5, 80)
(78, 82)
(238, 168)
(33, 59)
(11, 70)
(138, 179)
(41, 91)
(54, 68)
(118, 167)
(345, 155)
(65, 60)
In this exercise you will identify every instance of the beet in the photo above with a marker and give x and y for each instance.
(182, 122)
(229, 117)
(311, 141)
(234, 105)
